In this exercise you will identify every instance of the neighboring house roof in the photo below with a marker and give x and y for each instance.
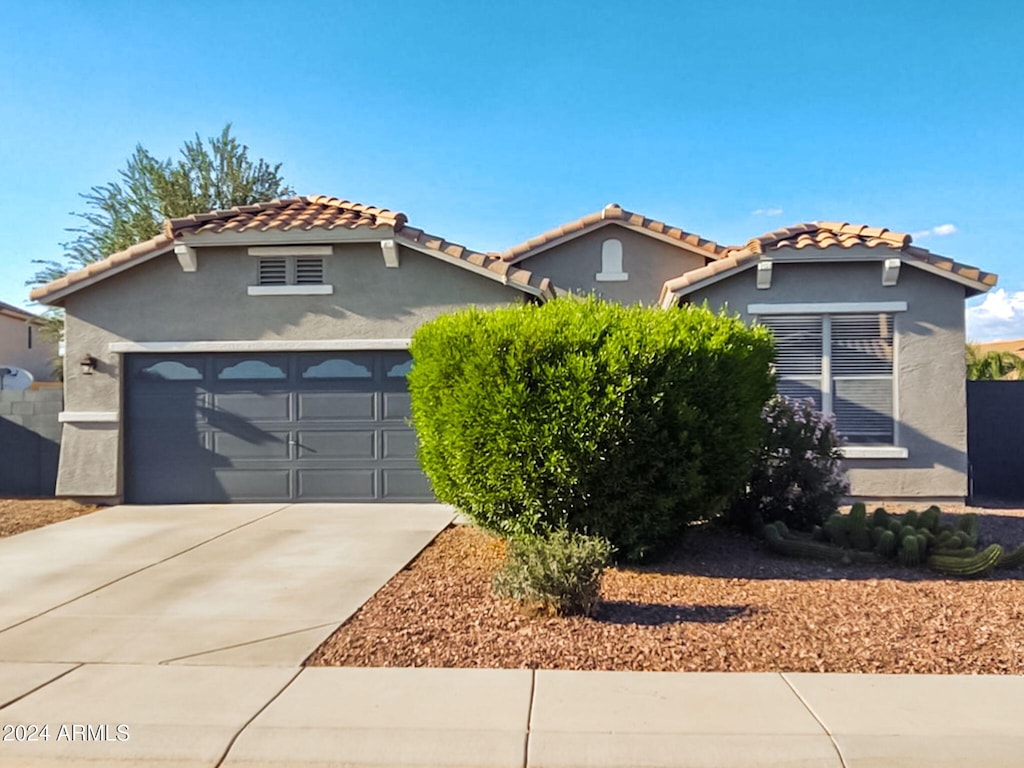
(612, 213)
(317, 212)
(9, 310)
(1016, 346)
(822, 235)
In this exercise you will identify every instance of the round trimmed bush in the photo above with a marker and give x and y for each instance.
(622, 422)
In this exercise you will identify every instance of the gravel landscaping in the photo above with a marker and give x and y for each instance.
(20, 515)
(721, 602)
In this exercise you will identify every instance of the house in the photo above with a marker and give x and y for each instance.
(259, 353)
(22, 346)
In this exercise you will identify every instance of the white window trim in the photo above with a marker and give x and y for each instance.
(88, 417)
(828, 308)
(874, 451)
(259, 345)
(318, 289)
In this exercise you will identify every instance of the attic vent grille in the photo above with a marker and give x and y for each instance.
(309, 271)
(273, 272)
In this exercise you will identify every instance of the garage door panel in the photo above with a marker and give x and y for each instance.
(166, 407)
(250, 406)
(399, 444)
(340, 444)
(259, 445)
(396, 406)
(256, 484)
(337, 406)
(400, 484)
(349, 484)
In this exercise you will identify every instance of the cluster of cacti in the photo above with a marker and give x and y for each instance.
(912, 539)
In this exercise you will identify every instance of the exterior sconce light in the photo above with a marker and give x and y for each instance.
(88, 364)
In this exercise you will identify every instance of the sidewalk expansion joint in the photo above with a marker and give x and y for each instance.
(143, 568)
(332, 625)
(810, 709)
(41, 685)
(258, 712)
(529, 718)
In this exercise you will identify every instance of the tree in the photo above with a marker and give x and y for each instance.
(207, 176)
(992, 365)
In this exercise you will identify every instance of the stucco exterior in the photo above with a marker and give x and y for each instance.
(158, 302)
(16, 351)
(574, 264)
(929, 364)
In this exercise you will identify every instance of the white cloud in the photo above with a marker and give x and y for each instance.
(999, 316)
(767, 212)
(942, 230)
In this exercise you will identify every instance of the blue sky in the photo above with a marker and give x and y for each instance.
(489, 123)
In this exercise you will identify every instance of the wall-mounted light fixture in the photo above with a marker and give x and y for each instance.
(88, 364)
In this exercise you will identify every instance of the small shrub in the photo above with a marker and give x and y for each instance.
(625, 422)
(797, 476)
(554, 575)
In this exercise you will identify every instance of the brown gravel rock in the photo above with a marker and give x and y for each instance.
(19, 515)
(721, 602)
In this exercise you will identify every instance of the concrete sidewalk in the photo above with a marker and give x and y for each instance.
(272, 716)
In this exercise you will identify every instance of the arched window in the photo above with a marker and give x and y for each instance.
(611, 262)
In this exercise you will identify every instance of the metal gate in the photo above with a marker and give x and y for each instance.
(995, 443)
(324, 426)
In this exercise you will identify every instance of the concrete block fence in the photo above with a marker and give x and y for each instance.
(29, 441)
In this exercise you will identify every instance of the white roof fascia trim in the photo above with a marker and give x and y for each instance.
(259, 345)
(441, 256)
(88, 417)
(948, 274)
(874, 452)
(58, 295)
(826, 307)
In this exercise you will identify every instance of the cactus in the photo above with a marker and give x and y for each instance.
(929, 519)
(895, 526)
(796, 548)
(910, 518)
(880, 518)
(922, 545)
(969, 525)
(962, 552)
(907, 531)
(886, 545)
(910, 553)
(967, 566)
(837, 529)
(858, 514)
(1013, 559)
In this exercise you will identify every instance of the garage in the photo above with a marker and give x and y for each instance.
(310, 426)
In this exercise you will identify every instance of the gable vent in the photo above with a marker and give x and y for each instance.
(309, 271)
(273, 272)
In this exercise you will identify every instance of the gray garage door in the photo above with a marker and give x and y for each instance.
(324, 426)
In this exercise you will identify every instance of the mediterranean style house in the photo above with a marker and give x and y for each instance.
(260, 353)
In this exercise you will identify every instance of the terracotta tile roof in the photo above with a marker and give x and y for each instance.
(819, 236)
(488, 261)
(611, 212)
(299, 213)
(293, 214)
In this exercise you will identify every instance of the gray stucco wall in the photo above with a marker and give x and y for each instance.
(931, 383)
(29, 441)
(649, 262)
(157, 301)
(15, 350)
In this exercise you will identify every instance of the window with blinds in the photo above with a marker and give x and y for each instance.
(844, 363)
(285, 271)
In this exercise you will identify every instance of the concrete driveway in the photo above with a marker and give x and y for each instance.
(237, 585)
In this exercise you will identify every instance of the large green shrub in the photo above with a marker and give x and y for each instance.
(623, 422)
(558, 574)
